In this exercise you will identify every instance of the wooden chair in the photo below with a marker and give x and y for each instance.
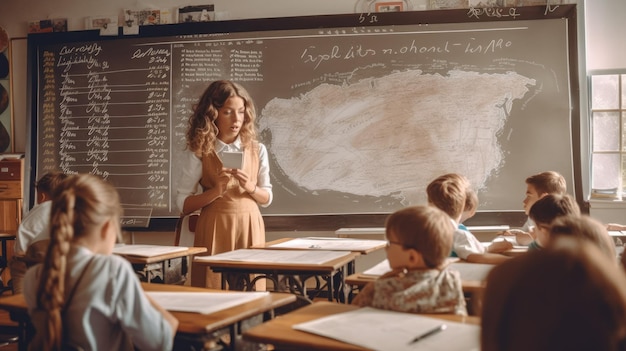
(185, 229)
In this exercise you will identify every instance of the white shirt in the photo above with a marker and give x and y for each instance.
(528, 225)
(465, 243)
(35, 226)
(109, 308)
(189, 183)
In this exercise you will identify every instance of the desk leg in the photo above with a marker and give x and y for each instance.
(342, 290)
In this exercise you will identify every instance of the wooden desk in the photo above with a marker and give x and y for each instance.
(376, 245)
(171, 268)
(342, 244)
(279, 332)
(286, 275)
(194, 329)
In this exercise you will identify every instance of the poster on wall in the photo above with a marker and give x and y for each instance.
(5, 116)
(5, 111)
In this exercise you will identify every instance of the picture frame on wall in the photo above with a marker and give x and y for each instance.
(6, 125)
(389, 6)
(369, 6)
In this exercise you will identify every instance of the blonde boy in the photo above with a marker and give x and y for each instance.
(448, 193)
(420, 239)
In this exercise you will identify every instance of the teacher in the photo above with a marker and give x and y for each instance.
(228, 198)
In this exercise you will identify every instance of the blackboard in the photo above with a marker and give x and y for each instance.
(358, 111)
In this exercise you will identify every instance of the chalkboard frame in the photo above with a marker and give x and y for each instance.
(326, 222)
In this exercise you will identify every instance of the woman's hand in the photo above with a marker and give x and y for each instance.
(244, 180)
(222, 181)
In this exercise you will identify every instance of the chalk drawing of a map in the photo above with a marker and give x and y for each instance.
(393, 134)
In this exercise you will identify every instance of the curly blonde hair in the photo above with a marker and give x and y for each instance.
(202, 131)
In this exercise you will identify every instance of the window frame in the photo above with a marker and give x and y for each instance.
(619, 193)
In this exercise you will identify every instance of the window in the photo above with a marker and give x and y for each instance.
(608, 139)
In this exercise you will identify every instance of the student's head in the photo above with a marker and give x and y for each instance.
(566, 297)
(225, 110)
(471, 205)
(47, 183)
(549, 208)
(585, 228)
(85, 210)
(419, 236)
(448, 193)
(541, 184)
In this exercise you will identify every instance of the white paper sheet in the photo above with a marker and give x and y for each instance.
(379, 269)
(318, 243)
(295, 257)
(388, 330)
(146, 250)
(468, 271)
(203, 302)
(373, 230)
(472, 271)
(232, 159)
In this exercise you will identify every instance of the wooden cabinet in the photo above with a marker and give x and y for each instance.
(11, 197)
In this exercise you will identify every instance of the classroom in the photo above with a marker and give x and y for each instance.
(579, 45)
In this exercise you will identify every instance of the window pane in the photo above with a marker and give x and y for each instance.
(623, 76)
(623, 174)
(606, 174)
(623, 132)
(605, 92)
(606, 131)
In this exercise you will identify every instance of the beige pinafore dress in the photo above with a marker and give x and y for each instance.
(232, 221)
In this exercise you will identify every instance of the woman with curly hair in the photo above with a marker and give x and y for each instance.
(228, 198)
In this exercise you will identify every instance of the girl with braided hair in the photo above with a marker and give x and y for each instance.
(82, 296)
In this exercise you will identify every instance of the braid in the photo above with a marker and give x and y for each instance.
(51, 291)
(81, 205)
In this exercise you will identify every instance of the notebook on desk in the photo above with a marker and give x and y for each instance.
(388, 330)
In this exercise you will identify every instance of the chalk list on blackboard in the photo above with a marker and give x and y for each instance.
(110, 118)
(356, 119)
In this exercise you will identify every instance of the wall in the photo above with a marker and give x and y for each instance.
(599, 27)
(604, 30)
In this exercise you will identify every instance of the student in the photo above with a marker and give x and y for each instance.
(585, 228)
(448, 193)
(470, 207)
(35, 225)
(420, 239)
(567, 297)
(537, 186)
(34, 230)
(229, 199)
(544, 212)
(82, 295)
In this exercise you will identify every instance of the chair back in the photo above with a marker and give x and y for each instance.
(186, 230)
